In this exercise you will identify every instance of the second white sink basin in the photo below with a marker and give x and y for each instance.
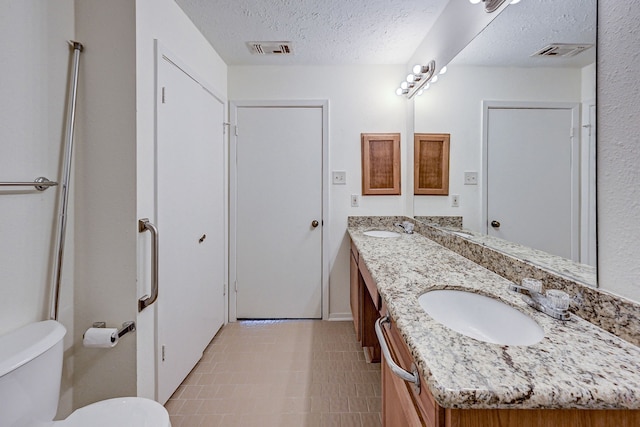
(381, 233)
(481, 317)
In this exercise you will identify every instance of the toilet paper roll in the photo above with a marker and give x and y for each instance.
(100, 337)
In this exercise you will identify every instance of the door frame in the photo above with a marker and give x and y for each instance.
(233, 192)
(575, 160)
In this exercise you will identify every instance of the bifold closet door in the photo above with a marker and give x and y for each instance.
(190, 217)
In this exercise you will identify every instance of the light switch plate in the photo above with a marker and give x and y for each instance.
(455, 200)
(355, 200)
(339, 177)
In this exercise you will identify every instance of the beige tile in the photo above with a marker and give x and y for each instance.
(173, 405)
(358, 404)
(192, 421)
(190, 392)
(338, 404)
(371, 419)
(211, 420)
(189, 407)
(351, 420)
(280, 373)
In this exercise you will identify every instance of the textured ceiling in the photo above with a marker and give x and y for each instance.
(530, 25)
(386, 31)
(321, 31)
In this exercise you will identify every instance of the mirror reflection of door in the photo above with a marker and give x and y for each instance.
(532, 195)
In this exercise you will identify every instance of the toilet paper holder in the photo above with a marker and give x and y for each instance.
(126, 328)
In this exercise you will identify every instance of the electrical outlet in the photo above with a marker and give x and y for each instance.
(471, 178)
(339, 177)
(455, 200)
(355, 200)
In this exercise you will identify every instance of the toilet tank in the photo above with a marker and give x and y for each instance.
(30, 373)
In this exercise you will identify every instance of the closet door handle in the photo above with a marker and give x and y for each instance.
(146, 301)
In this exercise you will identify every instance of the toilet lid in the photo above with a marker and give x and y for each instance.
(119, 412)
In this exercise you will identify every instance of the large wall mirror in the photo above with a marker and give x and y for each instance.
(525, 124)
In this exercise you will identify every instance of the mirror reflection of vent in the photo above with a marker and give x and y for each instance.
(270, 48)
(564, 50)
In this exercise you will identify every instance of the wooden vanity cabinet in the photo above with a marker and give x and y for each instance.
(365, 303)
(402, 404)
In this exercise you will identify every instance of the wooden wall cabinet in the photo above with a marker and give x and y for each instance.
(380, 164)
(431, 163)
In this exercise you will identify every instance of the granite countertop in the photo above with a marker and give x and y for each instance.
(576, 365)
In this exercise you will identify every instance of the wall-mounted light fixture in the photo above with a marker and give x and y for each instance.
(415, 82)
(422, 77)
(490, 6)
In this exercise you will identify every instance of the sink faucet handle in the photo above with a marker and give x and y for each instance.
(558, 299)
(530, 284)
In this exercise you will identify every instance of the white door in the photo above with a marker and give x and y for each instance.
(531, 178)
(279, 212)
(190, 220)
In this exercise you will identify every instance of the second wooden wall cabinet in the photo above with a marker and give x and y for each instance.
(431, 164)
(380, 164)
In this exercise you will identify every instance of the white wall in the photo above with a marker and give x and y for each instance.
(33, 87)
(618, 144)
(165, 21)
(454, 105)
(106, 228)
(361, 99)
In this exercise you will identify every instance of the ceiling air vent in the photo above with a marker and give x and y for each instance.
(270, 48)
(564, 50)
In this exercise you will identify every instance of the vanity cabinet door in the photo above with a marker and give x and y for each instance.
(400, 397)
(398, 408)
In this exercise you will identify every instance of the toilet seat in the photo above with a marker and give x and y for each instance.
(118, 412)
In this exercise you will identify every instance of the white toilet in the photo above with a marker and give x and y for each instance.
(30, 373)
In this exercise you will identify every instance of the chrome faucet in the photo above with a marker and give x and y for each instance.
(554, 303)
(406, 226)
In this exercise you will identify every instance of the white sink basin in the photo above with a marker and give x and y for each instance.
(481, 317)
(381, 233)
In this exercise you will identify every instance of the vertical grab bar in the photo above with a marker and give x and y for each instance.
(146, 301)
(63, 195)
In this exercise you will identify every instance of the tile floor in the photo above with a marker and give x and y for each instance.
(298, 373)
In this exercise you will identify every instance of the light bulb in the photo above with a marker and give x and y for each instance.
(420, 92)
(404, 85)
(474, 1)
(427, 86)
(399, 91)
(418, 69)
(434, 79)
(515, 1)
(411, 78)
(444, 70)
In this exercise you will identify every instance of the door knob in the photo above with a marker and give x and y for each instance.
(495, 224)
(315, 223)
